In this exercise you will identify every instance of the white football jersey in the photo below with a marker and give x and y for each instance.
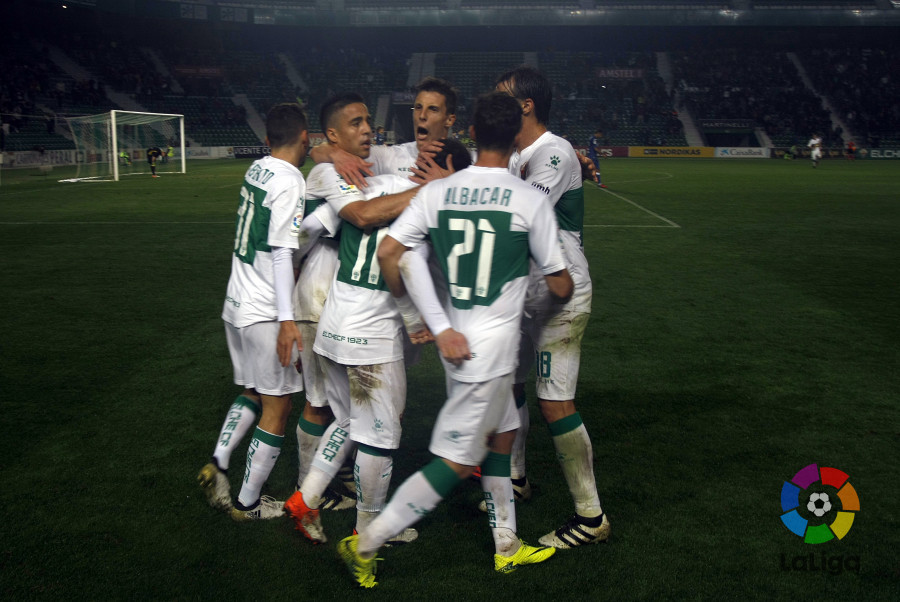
(361, 323)
(484, 224)
(550, 165)
(269, 215)
(394, 160)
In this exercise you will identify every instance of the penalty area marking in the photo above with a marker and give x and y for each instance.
(670, 223)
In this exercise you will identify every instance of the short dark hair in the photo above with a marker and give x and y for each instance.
(527, 82)
(458, 153)
(497, 121)
(443, 87)
(335, 104)
(284, 123)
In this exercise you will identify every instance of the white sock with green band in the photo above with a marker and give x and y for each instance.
(517, 458)
(242, 414)
(498, 497)
(415, 498)
(309, 434)
(373, 477)
(334, 448)
(576, 458)
(261, 456)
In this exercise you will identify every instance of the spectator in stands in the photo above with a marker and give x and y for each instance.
(380, 137)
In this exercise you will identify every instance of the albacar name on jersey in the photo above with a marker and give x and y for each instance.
(478, 196)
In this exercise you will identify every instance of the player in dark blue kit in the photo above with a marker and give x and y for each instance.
(593, 144)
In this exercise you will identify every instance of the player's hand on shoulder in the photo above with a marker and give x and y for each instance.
(352, 168)
(453, 346)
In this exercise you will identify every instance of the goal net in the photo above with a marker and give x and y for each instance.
(116, 144)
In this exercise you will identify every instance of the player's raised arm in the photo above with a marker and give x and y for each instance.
(389, 253)
(377, 212)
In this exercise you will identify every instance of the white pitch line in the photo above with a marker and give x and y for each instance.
(644, 209)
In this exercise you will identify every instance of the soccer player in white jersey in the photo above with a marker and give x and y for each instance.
(318, 255)
(262, 336)
(483, 224)
(553, 330)
(360, 332)
(815, 143)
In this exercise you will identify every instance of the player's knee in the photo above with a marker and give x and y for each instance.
(553, 410)
(252, 395)
(317, 415)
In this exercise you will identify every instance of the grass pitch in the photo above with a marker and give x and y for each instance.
(745, 325)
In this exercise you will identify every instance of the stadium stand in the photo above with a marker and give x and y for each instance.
(863, 86)
(224, 85)
(620, 93)
(371, 73)
(759, 85)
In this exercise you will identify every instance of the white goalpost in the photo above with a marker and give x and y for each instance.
(115, 144)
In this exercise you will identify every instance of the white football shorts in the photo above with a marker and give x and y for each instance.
(551, 343)
(374, 397)
(255, 359)
(472, 413)
(313, 370)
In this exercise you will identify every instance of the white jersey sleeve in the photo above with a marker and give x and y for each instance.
(325, 183)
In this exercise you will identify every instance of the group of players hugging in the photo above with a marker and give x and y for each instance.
(346, 274)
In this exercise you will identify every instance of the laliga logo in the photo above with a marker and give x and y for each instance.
(809, 499)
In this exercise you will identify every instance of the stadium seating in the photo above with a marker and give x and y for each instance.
(621, 93)
(844, 76)
(371, 74)
(759, 85)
